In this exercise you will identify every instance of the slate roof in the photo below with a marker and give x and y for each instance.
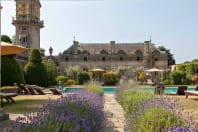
(96, 48)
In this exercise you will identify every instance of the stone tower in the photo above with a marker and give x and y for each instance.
(28, 23)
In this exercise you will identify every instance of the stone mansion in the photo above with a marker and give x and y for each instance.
(113, 55)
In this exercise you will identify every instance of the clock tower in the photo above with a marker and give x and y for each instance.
(28, 23)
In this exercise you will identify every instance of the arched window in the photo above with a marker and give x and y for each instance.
(85, 58)
(139, 55)
(155, 55)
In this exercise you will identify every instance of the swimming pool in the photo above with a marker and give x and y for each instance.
(105, 90)
(167, 90)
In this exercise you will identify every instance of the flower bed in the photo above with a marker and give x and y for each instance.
(79, 112)
(146, 113)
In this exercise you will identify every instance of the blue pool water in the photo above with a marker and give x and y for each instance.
(167, 90)
(105, 90)
(172, 90)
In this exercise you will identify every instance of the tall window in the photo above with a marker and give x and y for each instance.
(155, 55)
(121, 58)
(103, 58)
(139, 55)
(66, 58)
(85, 58)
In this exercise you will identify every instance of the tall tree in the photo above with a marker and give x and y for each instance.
(52, 71)
(6, 38)
(171, 60)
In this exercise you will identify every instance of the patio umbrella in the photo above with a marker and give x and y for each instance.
(156, 76)
(97, 70)
(154, 70)
(9, 49)
(97, 73)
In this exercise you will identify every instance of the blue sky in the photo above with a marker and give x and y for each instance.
(171, 23)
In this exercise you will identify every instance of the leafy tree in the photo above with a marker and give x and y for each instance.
(62, 79)
(83, 77)
(195, 60)
(72, 72)
(171, 60)
(182, 67)
(6, 38)
(35, 71)
(11, 72)
(176, 77)
(52, 71)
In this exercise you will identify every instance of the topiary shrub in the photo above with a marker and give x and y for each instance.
(11, 72)
(83, 77)
(35, 71)
(110, 78)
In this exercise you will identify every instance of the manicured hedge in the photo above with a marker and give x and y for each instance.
(11, 72)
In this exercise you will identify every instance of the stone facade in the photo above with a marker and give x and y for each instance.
(28, 23)
(113, 55)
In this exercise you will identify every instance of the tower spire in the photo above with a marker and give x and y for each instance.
(150, 39)
(74, 37)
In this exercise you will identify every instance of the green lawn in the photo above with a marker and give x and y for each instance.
(190, 104)
(27, 103)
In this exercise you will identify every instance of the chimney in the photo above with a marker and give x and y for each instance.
(75, 44)
(146, 47)
(112, 46)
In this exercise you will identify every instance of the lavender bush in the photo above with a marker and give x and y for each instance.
(148, 113)
(78, 112)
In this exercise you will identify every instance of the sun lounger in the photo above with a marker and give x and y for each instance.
(31, 89)
(194, 93)
(55, 91)
(24, 90)
(8, 97)
(39, 91)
